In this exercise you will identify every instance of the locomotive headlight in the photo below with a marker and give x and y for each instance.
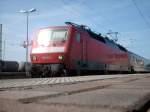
(60, 57)
(34, 58)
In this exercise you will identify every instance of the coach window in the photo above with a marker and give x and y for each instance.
(78, 38)
(142, 62)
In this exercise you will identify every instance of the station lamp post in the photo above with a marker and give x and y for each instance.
(27, 12)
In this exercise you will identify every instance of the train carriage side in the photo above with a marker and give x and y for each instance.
(138, 63)
(74, 48)
(90, 51)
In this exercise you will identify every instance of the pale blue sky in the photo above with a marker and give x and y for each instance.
(100, 15)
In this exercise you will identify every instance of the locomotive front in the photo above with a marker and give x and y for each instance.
(49, 50)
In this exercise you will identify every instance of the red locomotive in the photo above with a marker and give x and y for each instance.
(75, 48)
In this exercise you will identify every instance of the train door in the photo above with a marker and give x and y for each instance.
(83, 64)
(75, 55)
(78, 55)
(84, 49)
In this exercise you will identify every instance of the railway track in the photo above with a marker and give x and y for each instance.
(12, 75)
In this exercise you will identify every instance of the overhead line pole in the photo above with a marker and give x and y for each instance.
(27, 12)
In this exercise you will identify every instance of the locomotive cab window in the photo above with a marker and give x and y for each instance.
(43, 37)
(46, 35)
(59, 35)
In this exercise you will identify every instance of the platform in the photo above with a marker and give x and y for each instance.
(124, 93)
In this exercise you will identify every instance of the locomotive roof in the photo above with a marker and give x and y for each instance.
(55, 27)
(99, 37)
(92, 34)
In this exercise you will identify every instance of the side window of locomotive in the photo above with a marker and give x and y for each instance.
(78, 37)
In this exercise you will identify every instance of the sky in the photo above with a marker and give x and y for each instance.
(130, 18)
